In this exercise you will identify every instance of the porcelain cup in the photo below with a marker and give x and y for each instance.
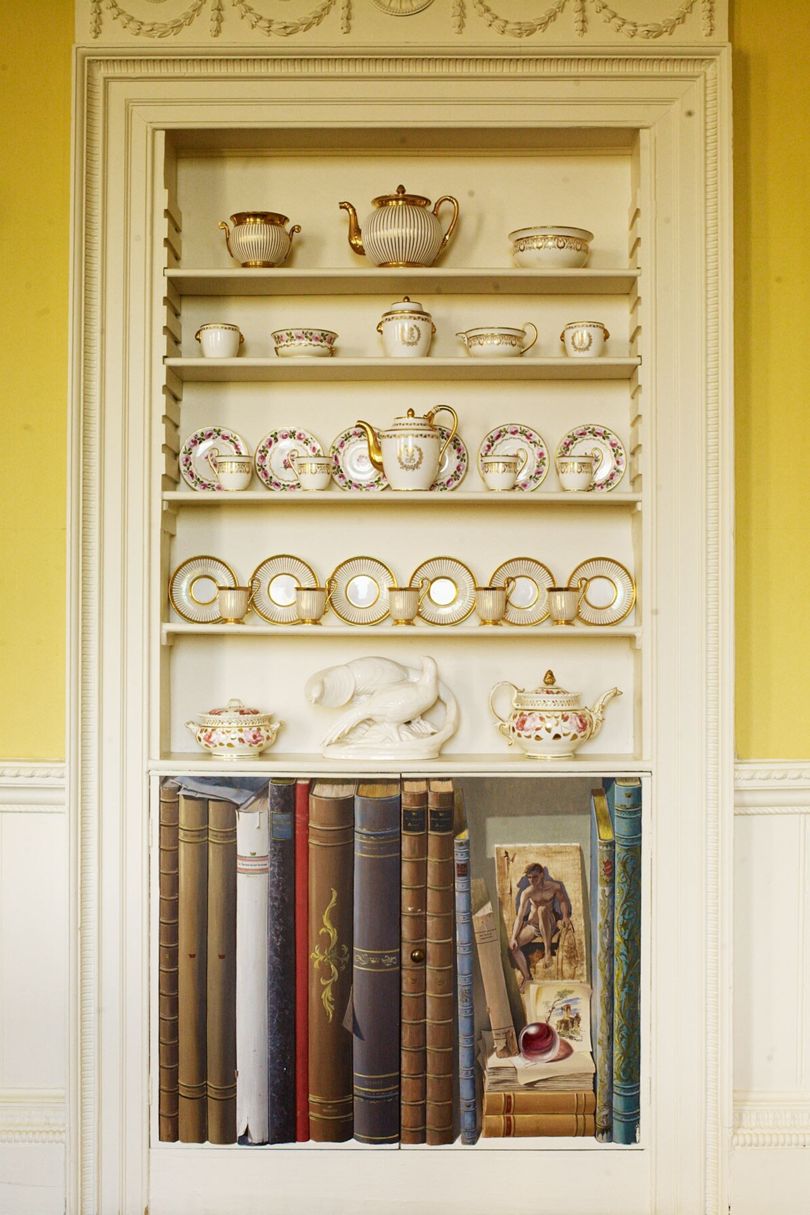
(584, 339)
(235, 602)
(311, 602)
(313, 472)
(219, 340)
(231, 471)
(403, 601)
(564, 601)
(491, 601)
(503, 471)
(576, 472)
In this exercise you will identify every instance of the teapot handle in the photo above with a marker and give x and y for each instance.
(503, 724)
(431, 414)
(224, 226)
(532, 326)
(452, 227)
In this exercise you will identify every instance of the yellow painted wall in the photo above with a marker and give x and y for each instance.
(35, 99)
(772, 266)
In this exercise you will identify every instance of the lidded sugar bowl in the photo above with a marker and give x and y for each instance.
(549, 722)
(406, 330)
(401, 230)
(259, 238)
(234, 731)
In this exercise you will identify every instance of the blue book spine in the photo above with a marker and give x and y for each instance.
(624, 801)
(464, 969)
(281, 963)
(603, 861)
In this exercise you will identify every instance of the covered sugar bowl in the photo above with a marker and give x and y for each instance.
(235, 731)
(549, 722)
(406, 330)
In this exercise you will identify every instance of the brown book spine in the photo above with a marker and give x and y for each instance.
(331, 862)
(440, 937)
(412, 996)
(221, 981)
(167, 965)
(192, 934)
(530, 1101)
(519, 1126)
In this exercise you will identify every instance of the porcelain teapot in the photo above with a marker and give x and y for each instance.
(401, 230)
(410, 452)
(549, 722)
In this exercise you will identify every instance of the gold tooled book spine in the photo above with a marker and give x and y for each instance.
(530, 1101)
(167, 949)
(414, 924)
(440, 946)
(520, 1126)
(221, 974)
(192, 931)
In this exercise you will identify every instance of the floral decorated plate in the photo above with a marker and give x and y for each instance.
(193, 588)
(453, 467)
(528, 602)
(591, 437)
(360, 588)
(610, 595)
(351, 464)
(276, 579)
(272, 457)
(514, 438)
(209, 441)
(450, 596)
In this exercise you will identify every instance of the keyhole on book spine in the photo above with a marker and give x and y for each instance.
(417, 955)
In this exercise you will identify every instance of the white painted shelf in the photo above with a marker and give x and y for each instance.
(458, 632)
(341, 370)
(445, 501)
(372, 280)
(449, 763)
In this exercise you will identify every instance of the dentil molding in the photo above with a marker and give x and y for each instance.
(415, 23)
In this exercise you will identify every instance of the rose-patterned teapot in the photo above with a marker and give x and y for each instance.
(401, 230)
(549, 723)
(410, 452)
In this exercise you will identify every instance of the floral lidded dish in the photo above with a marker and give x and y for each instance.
(234, 731)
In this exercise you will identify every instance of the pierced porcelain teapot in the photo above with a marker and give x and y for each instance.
(549, 722)
(401, 230)
(410, 452)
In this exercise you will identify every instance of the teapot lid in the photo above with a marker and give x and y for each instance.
(234, 713)
(406, 304)
(548, 696)
(402, 198)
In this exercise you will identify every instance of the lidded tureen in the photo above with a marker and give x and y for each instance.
(549, 722)
(401, 230)
(234, 731)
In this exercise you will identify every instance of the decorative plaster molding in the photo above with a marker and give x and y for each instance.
(32, 1115)
(27, 787)
(772, 787)
(771, 1119)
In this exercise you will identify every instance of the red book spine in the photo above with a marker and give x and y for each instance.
(301, 961)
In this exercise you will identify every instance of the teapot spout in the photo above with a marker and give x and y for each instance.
(355, 235)
(374, 449)
(598, 710)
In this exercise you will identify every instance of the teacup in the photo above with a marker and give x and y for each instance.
(491, 601)
(313, 472)
(231, 471)
(564, 601)
(312, 601)
(219, 340)
(576, 472)
(584, 339)
(503, 471)
(235, 601)
(403, 601)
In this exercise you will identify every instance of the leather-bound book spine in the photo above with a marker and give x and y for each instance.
(221, 1000)
(331, 840)
(413, 917)
(192, 967)
(375, 962)
(168, 891)
(602, 899)
(281, 962)
(528, 1126)
(440, 943)
(624, 802)
(251, 972)
(301, 961)
(468, 1103)
(532, 1101)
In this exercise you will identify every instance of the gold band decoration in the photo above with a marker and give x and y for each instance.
(335, 957)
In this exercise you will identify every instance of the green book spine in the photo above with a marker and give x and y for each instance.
(624, 802)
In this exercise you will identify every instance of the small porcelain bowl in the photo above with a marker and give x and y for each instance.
(318, 343)
(498, 341)
(584, 339)
(550, 247)
(219, 340)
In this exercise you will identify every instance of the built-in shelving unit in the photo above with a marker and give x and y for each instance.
(337, 370)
